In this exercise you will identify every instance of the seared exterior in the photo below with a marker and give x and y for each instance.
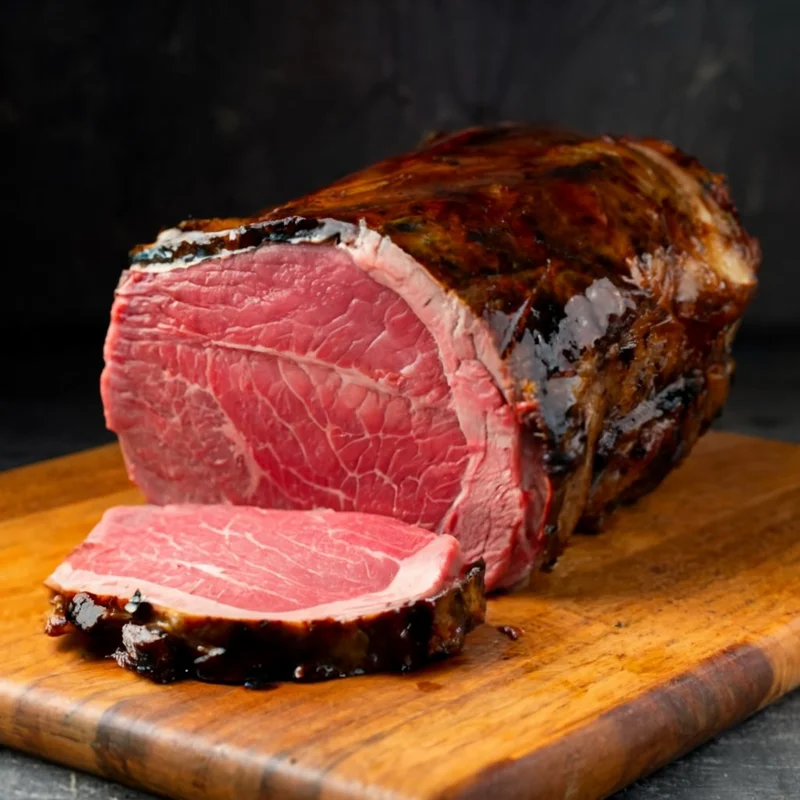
(611, 272)
(165, 646)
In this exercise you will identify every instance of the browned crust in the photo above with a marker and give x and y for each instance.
(496, 214)
(165, 645)
(518, 222)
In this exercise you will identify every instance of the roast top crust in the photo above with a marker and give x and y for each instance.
(518, 220)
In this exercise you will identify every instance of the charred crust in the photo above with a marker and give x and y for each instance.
(150, 651)
(86, 614)
(627, 353)
(558, 462)
(58, 621)
(580, 171)
(407, 225)
(170, 647)
(214, 243)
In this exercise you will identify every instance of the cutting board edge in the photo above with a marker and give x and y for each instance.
(664, 723)
(689, 710)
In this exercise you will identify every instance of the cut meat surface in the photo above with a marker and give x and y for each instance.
(270, 594)
(255, 563)
(348, 401)
(499, 336)
(291, 378)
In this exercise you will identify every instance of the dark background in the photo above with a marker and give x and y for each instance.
(120, 117)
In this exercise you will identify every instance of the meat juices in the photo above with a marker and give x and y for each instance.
(250, 595)
(496, 336)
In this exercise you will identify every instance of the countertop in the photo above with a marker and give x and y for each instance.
(53, 408)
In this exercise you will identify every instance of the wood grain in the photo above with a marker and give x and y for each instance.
(681, 619)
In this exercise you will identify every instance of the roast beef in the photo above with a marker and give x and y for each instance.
(494, 336)
(242, 594)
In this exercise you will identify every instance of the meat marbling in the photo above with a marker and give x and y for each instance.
(247, 594)
(495, 336)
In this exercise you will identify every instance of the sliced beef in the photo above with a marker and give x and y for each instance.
(492, 337)
(239, 594)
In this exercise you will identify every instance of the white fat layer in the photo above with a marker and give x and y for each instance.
(491, 497)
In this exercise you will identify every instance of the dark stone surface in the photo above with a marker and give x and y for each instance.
(757, 760)
(26, 778)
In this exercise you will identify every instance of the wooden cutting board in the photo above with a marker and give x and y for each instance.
(681, 619)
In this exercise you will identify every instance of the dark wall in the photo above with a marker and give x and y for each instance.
(120, 117)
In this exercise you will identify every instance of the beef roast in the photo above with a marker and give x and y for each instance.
(495, 336)
(238, 594)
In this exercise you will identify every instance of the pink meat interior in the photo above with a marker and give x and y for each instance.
(264, 561)
(285, 377)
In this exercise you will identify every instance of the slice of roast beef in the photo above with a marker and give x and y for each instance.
(239, 594)
(492, 337)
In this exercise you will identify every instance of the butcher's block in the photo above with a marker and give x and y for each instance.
(682, 618)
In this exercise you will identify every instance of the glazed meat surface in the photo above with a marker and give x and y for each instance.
(498, 336)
